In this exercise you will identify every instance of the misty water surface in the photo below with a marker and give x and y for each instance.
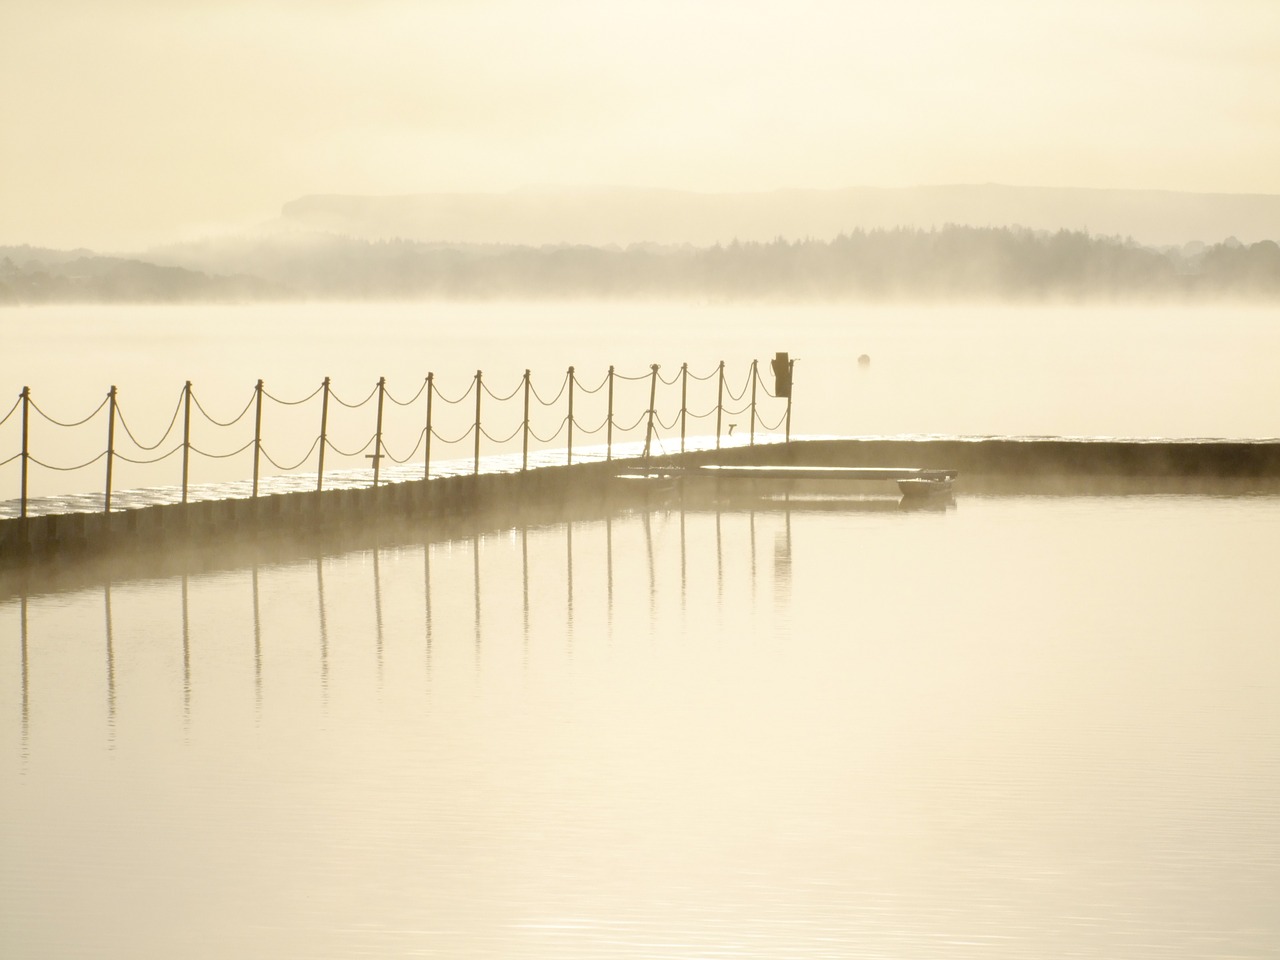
(1016, 726)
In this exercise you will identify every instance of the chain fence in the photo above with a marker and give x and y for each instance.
(602, 417)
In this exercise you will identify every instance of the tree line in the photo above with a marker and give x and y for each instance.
(954, 263)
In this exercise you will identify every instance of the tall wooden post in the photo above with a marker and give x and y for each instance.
(26, 445)
(377, 431)
(608, 455)
(571, 378)
(524, 458)
(755, 376)
(720, 405)
(479, 385)
(653, 394)
(684, 401)
(791, 370)
(257, 434)
(324, 434)
(111, 445)
(186, 438)
(426, 460)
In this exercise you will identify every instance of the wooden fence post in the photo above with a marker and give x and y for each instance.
(111, 445)
(571, 379)
(479, 385)
(791, 369)
(257, 434)
(653, 393)
(377, 431)
(324, 434)
(524, 459)
(720, 405)
(684, 401)
(755, 376)
(609, 435)
(426, 460)
(26, 445)
(186, 438)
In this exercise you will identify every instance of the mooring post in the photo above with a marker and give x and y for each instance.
(186, 438)
(720, 404)
(755, 377)
(111, 445)
(479, 385)
(426, 460)
(377, 431)
(571, 378)
(26, 445)
(257, 434)
(684, 401)
(791, 369)
(524, 459)
(324, 433)
(608, 443)
(653, 395)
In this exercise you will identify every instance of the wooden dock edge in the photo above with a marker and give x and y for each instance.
(353, 516)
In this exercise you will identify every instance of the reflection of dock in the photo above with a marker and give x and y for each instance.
(450, 619)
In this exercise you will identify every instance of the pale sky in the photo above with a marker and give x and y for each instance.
(130, 121)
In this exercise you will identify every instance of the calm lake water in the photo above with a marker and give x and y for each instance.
(780, 726)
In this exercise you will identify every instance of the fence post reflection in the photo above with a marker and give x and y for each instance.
(524, 583)
(648, 548)
(684, 572)
(608, 568)
(111, 663)
(377, 610)
(428, 627)
(186, 654)
(324, 631)
(257, 644)
(475, 577)
(568, 533)
(26, 680)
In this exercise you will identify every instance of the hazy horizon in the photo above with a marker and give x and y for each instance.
(141, 122)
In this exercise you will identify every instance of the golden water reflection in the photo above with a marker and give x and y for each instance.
(788, 727)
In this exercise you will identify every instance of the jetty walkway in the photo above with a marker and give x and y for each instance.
(507, 490)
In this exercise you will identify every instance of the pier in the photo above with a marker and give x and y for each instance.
(522, 473)
(364, 515)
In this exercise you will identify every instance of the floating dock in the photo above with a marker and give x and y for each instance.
(989, 464)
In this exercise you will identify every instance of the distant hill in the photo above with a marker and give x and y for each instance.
(604, 216)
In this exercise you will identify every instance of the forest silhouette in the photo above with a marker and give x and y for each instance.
(953, 263)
